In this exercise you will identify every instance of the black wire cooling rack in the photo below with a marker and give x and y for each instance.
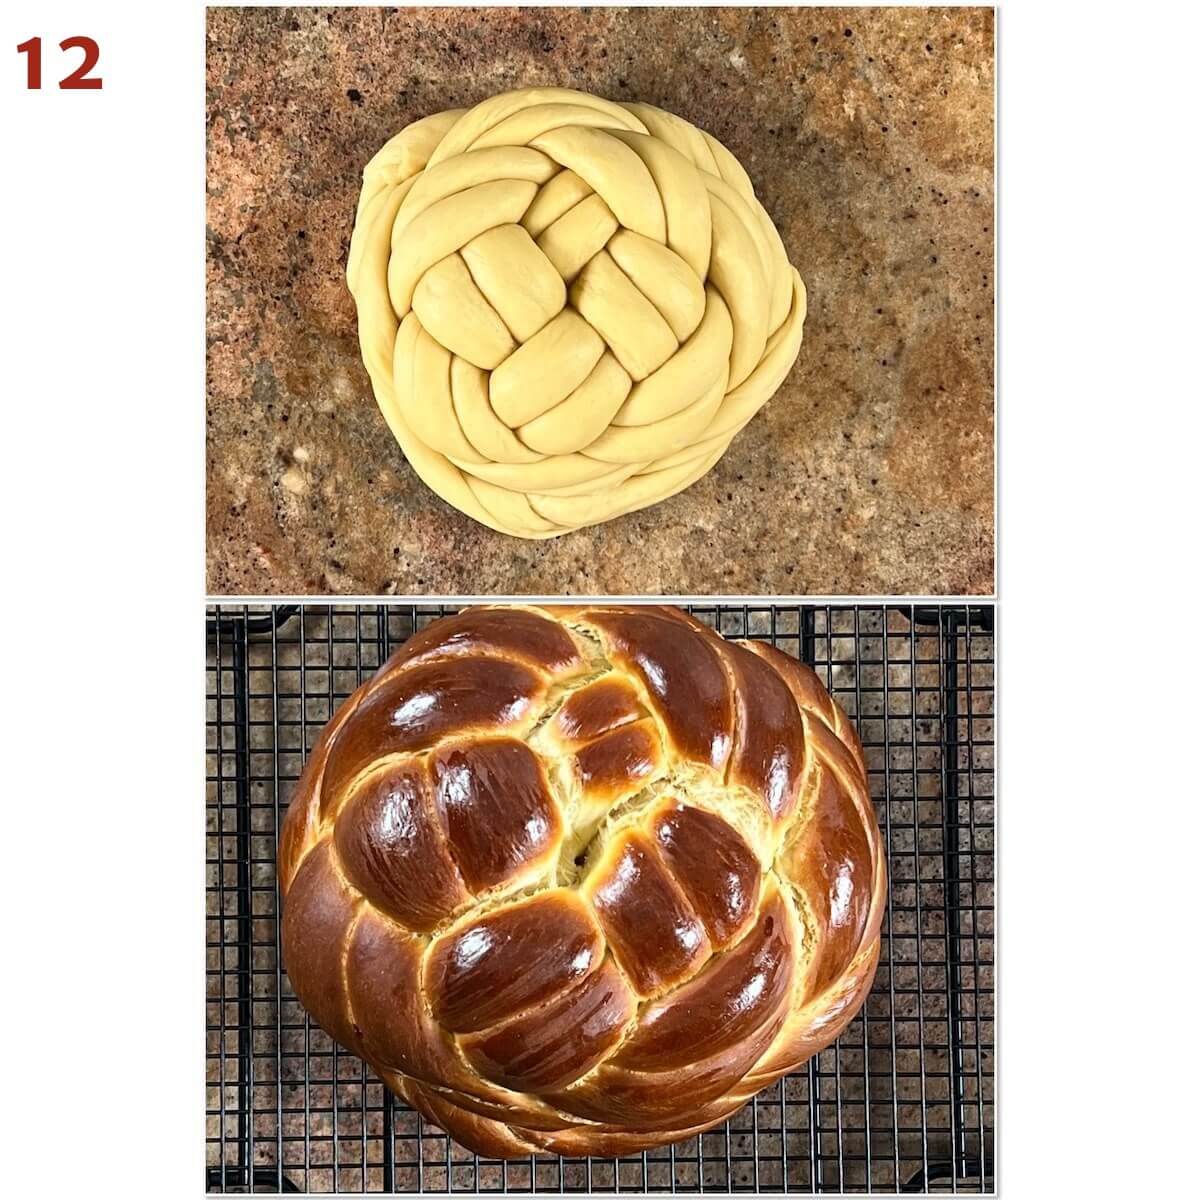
(903, 1102)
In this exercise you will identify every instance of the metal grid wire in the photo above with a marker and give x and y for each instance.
(902, 1102)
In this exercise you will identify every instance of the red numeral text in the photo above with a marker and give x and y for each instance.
(80, 79)
(33, 68)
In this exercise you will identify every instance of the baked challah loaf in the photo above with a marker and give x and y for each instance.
(567, 307)
(582, 880)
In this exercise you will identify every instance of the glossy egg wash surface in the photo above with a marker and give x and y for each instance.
(582, 880)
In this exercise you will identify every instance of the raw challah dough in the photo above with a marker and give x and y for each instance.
(582, 880)
(567, 307)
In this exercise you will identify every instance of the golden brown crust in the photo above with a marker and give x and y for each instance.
(581, 880)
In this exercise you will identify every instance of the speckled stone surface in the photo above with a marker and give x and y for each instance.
(868, 134)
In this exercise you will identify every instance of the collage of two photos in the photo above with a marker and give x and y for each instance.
(600, 629)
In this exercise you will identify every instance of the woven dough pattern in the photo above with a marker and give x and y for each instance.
(568, 307)
(582, 880)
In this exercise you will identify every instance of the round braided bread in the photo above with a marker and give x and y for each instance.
(582, 880)
(568, 307)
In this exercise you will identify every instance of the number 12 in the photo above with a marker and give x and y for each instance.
(80, 78)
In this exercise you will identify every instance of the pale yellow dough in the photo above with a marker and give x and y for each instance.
(568, 307)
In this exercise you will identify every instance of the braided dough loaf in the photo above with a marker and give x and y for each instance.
(582, 880)
(567, 307)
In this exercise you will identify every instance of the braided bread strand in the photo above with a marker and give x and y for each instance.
(582, 880)
(568, 307)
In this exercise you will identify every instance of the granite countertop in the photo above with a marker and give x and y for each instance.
(868, 135)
